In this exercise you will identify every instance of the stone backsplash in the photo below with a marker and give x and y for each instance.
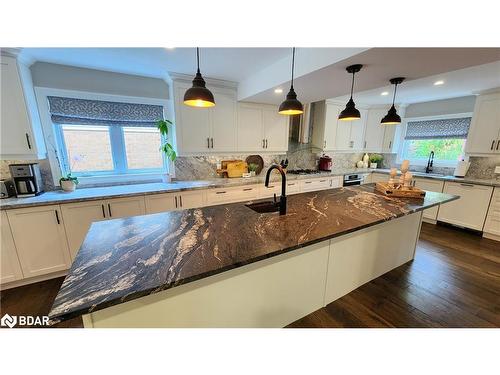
(44, 169)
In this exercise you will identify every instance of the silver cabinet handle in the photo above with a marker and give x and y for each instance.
(266, 143)
(390, 144)
(220, 192)
(322, 180)
(28, 140)
(324, 144)
(365, 144)
(180, 200)
(109, 210)
(492, 144)
(57, 217)
(263, 143)
(247, 189)
(103, 211)
(468, 185)
(175, 201)
(212, 141)
(498, 143)
(208, 142)
(308, 182)
(351, 144)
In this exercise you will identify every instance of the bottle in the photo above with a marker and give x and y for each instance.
(366, 160)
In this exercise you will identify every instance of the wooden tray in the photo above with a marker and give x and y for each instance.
(408, 192)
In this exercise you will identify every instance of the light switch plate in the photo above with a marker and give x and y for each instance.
(497, 169)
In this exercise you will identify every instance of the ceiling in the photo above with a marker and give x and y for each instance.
(320, 72)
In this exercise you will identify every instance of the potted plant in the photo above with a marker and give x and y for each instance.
(166, 147)
(252, 168)
(375, 160)
(68, 182)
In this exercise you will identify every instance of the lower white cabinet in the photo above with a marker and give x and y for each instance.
(430, 185)
(470, 210)
(315, 184)
(492, 224)
(174, 201)
(124, 207)
(40, 239)
(336, 182)
(232, 194)
(10, 268)
(378, 177)
(292, 187)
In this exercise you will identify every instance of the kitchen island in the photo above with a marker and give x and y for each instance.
(229, 266)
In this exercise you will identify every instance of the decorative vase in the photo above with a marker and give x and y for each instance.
(252, 173)
(166, 178)
(360, 164)
(373, 165)
(68, 185)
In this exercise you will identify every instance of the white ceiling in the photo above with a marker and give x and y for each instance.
(232, 64)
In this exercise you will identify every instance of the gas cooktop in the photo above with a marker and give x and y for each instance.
(303, 171)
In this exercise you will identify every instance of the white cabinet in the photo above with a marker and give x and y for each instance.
(21, 132)
(484, 133)
(77, 219)
(10, 268)
(492, 224)
(337, 181)
(205, 130)
(261, 128)
(470, 210)
(430, 185)
(232, 194)
(292, 187)
(375, 131)
(378, 177)
(174, 201)
(125, 207)
(315, 184)
(40, 239)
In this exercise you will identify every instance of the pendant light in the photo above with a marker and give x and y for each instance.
(198, 95)
(392, 117)
(291, 106)
(350, 112)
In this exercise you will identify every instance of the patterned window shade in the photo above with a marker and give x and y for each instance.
(98, 112)
(438, 129)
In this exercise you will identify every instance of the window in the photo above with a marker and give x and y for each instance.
(445, 136)
(98, 138)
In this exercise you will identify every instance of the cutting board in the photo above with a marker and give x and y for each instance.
(233, 168)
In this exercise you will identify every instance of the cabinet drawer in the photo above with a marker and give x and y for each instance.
(292, 187)
(230, 195)
(274, 188)
(430, 185)
(315, 184)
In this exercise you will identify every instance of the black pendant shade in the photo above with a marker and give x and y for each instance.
(198, 95)
(291, 106)
(350, 112)
(392, 117)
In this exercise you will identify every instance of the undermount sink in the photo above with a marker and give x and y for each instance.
(264, 207)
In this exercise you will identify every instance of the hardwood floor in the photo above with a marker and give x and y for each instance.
(454, 281)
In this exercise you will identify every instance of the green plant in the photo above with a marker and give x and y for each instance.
(69, 177)
(252, 167)
(166, 147)
(376, 158)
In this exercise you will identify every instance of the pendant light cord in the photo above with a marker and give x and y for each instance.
(394, 97)
(293, 64)
(198, 58)
(352, 84)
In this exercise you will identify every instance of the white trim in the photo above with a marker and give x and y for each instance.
(404, 124)
(42, 93)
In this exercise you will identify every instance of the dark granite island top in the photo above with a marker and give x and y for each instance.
(125, 259)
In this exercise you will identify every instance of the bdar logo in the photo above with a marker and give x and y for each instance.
(8, 321)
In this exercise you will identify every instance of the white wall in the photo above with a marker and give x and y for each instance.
(441, 107)
(91, 80)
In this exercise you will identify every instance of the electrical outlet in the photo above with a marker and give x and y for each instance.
(497, 169)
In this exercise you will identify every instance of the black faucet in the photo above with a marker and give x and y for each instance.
(282, 202)
(430, 162)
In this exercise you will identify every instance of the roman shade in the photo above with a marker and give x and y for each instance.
(438, 129)
(99, 112)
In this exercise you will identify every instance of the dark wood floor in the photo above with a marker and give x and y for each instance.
(454, 281)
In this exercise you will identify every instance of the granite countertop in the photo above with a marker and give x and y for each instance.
(125, 259)
(88, 194)
(468, 180)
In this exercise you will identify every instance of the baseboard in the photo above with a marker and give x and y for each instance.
(490, 236)
(430, 221)
(32, 280)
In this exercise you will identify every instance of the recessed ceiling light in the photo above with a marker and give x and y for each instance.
(438, 83)
(169, 47)
(278, 91)
(385, 93)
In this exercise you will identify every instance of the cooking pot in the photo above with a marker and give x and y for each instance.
(325, 163)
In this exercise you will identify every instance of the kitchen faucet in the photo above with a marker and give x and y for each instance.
(282, 203)
(430, 162)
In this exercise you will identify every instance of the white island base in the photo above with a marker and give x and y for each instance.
(277, 291)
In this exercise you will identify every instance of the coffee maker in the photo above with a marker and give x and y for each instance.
(27, 179)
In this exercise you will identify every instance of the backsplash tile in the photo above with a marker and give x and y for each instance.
(481, 167)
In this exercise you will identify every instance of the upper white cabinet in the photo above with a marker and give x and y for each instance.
(21, 132)
(378, 137)
(40, 239)
(205, 130)
(10, 268)
(261, 128)
(484, 132)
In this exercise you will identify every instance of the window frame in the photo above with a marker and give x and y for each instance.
(422, 162)
(53, 142)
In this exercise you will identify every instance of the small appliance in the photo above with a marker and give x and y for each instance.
(353, 179)
(461, 169)
(6, 189)
(27, 179)
(325, 163)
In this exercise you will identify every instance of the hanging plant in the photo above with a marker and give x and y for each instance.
(167, 148)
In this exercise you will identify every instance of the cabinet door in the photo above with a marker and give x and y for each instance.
(336, 182)
(492, 224)
(357, 140)
(374, 134)
(223, 134)
(124, 207)
(484, 131)
(77, 219)
(193, 125)
(250, 133)
(40, 240)
(378, 177)
(430, 185)
(275, 130)
(389, 134)
(315, 184)
(191, 199)
(10, 268)
(16, 135)
(160, 203)
(331, 123)
(470, 210)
